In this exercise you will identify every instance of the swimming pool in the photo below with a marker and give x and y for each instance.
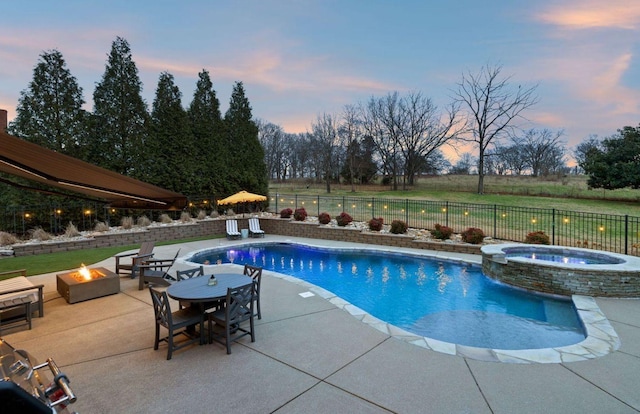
(444, 300)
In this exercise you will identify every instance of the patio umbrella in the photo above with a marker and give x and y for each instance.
(241, 197)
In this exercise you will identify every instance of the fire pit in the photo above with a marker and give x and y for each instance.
(84, 284)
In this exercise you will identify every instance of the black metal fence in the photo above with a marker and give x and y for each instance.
(615, 233)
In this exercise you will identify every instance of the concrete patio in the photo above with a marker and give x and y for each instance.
(309, 357)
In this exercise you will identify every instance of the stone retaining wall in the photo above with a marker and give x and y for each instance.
(283, 227)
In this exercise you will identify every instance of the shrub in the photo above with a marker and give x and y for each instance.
(472, 235)
(537, 237)
(185, 217)
(202, 215)
(143, 221)
(214, 214)
(441, 232)
(375, 224)
(165, 219)
(286, 213)
(399, 227)
(126, 223)
(101, 227)
(300, 214)
(324, 218)
(71, 230)
(40, 234)
(7, 238)
(343, 219)
(230, 212)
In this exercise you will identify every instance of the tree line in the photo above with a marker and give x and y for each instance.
(200, 153)
(194, 151)
(400, 137)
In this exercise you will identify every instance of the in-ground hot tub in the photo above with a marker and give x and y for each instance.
(563, 270)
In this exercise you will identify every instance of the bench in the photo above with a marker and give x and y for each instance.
(19, 298)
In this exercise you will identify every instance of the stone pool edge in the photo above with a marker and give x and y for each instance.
(601, 337)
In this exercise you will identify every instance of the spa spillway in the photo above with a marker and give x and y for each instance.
(563, 270)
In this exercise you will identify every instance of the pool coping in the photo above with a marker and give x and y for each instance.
(601, 339)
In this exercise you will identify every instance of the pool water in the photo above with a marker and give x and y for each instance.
(562, 258)
(445, 300)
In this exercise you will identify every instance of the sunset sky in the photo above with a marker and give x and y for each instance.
(299, 59)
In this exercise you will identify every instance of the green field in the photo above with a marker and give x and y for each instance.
(565, 193)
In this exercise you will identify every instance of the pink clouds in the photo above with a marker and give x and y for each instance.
(585, 14)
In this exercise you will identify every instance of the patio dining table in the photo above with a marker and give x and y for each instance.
(198, 290)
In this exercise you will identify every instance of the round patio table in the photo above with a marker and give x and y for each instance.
(197, 289)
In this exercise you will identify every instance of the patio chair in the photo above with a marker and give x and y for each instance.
(156, 271)
(238, 308)
(232, 229)
(145, 253)
(189, 273)
(255, 273)
(175, 322)
(254, 228)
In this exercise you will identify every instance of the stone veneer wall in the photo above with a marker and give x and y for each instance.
(283, 227)
(563, 281)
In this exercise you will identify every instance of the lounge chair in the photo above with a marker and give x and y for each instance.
(254, 228)
(156, 271)
(232, 229)
(145, 253)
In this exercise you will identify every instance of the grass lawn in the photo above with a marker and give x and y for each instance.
(566, 193)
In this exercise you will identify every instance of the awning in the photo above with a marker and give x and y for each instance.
(30, 161)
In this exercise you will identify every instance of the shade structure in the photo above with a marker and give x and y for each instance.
(241, 197)
(35, 163)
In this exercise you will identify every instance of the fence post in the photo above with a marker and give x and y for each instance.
(553, 227)
(406, 210)
(446, 213)
(626, 234)
(495, 221)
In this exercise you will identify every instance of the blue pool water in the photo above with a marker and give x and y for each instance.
(445, 300)
(565, 258)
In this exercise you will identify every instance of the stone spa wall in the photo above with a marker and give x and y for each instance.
(608, 280)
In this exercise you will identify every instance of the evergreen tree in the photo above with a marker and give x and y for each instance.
(205, 121)
(171, 162)
(120, 115)
(49, 114)
(616, 162)
(49, 111)
(246, 158)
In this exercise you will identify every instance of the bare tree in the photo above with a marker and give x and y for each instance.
(423, 130)
(350, 132)
(464, 165)
(380, 120)
(542, 150)
(325, 135)
(271, 138)
(494, 107)
(509, 160)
